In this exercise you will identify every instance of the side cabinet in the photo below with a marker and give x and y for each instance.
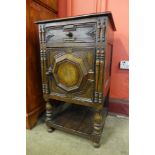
(76, 58)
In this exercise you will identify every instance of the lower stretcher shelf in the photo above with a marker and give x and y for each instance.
(75, 119)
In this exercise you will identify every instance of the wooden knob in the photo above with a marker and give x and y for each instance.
(70, 34)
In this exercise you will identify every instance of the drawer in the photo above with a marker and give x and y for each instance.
(70, 34)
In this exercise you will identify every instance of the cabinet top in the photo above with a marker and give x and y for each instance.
(107, 13)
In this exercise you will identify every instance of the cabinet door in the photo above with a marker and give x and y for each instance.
(71, 72)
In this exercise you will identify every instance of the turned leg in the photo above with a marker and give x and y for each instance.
(98, 127)
(49, 114)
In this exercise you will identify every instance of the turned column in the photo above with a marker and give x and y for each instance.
(49, 114)
(97, 126)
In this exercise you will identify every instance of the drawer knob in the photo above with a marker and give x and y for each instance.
(70, 34)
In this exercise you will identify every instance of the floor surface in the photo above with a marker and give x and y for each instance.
(114, 141)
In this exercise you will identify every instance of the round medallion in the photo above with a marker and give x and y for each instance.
(68, 74)
(69, 71)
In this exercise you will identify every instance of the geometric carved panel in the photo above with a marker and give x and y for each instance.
(69, 71)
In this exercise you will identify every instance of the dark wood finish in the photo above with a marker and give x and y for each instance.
(35, 104)
(62, 34)
(76, 56)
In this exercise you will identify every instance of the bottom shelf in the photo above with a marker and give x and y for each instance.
(75, 119)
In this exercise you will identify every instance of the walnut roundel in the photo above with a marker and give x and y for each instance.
(69, 72)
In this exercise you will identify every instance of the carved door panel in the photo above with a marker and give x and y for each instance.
(71, 71)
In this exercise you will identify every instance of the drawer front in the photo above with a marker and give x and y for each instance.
(77, 33)
(71, 72)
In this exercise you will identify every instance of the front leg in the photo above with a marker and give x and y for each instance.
(49, 114)
(98, 127)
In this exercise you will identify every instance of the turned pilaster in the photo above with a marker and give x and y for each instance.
(43, 58)
(100, 81)
(97, 76)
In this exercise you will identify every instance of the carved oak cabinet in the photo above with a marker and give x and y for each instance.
(76, 58)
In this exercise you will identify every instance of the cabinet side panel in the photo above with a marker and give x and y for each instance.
(108, 57)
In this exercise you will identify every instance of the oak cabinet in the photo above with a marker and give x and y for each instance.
(76, 57)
